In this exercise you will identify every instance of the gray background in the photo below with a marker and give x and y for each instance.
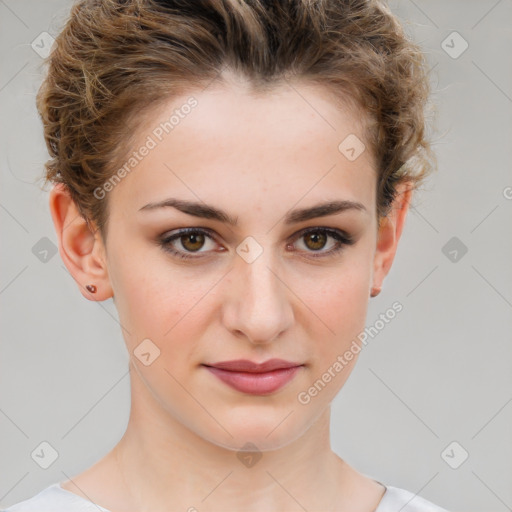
(439, 372)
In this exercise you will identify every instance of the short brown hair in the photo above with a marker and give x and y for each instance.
(113, 59)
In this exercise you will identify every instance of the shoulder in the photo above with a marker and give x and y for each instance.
(55, 499)
(395, 499)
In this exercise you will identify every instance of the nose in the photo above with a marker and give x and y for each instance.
(257, 306)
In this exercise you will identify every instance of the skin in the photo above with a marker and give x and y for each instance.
(186, 426)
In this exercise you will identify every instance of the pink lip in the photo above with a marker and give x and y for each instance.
(253, 378)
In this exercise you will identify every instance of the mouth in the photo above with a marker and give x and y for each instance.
(255, 378)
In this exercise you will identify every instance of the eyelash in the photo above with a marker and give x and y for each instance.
(342, 238)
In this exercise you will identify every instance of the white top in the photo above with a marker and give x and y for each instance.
(56, 499)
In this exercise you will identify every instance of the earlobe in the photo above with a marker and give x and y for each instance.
(388, 236)
(81, 250)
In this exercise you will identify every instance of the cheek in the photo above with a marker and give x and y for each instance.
(340, 299)
(340, 308)
(155, 300)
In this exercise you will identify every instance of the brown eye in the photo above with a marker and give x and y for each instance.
(193, 241)
(315, 240)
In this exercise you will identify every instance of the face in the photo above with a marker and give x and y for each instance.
(239, 265)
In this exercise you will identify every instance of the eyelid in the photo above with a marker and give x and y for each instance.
(213, 235)
(331, 231)
(184, 231)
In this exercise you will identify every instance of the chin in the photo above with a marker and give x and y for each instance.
(254, 441)
(252, 426)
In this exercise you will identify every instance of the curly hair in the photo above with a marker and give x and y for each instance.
(116, 58)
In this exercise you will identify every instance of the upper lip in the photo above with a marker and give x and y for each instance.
(244, 365)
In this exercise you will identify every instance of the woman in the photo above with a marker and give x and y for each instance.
(236, 176)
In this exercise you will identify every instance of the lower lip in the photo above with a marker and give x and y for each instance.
(255, 383)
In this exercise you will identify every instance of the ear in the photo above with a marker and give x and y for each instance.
(390, 230)
(81, 249)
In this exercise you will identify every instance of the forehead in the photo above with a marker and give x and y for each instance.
(227, 136)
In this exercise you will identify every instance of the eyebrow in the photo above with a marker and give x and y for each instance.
(205, 211)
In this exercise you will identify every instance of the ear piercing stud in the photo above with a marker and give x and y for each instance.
(375, 291)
